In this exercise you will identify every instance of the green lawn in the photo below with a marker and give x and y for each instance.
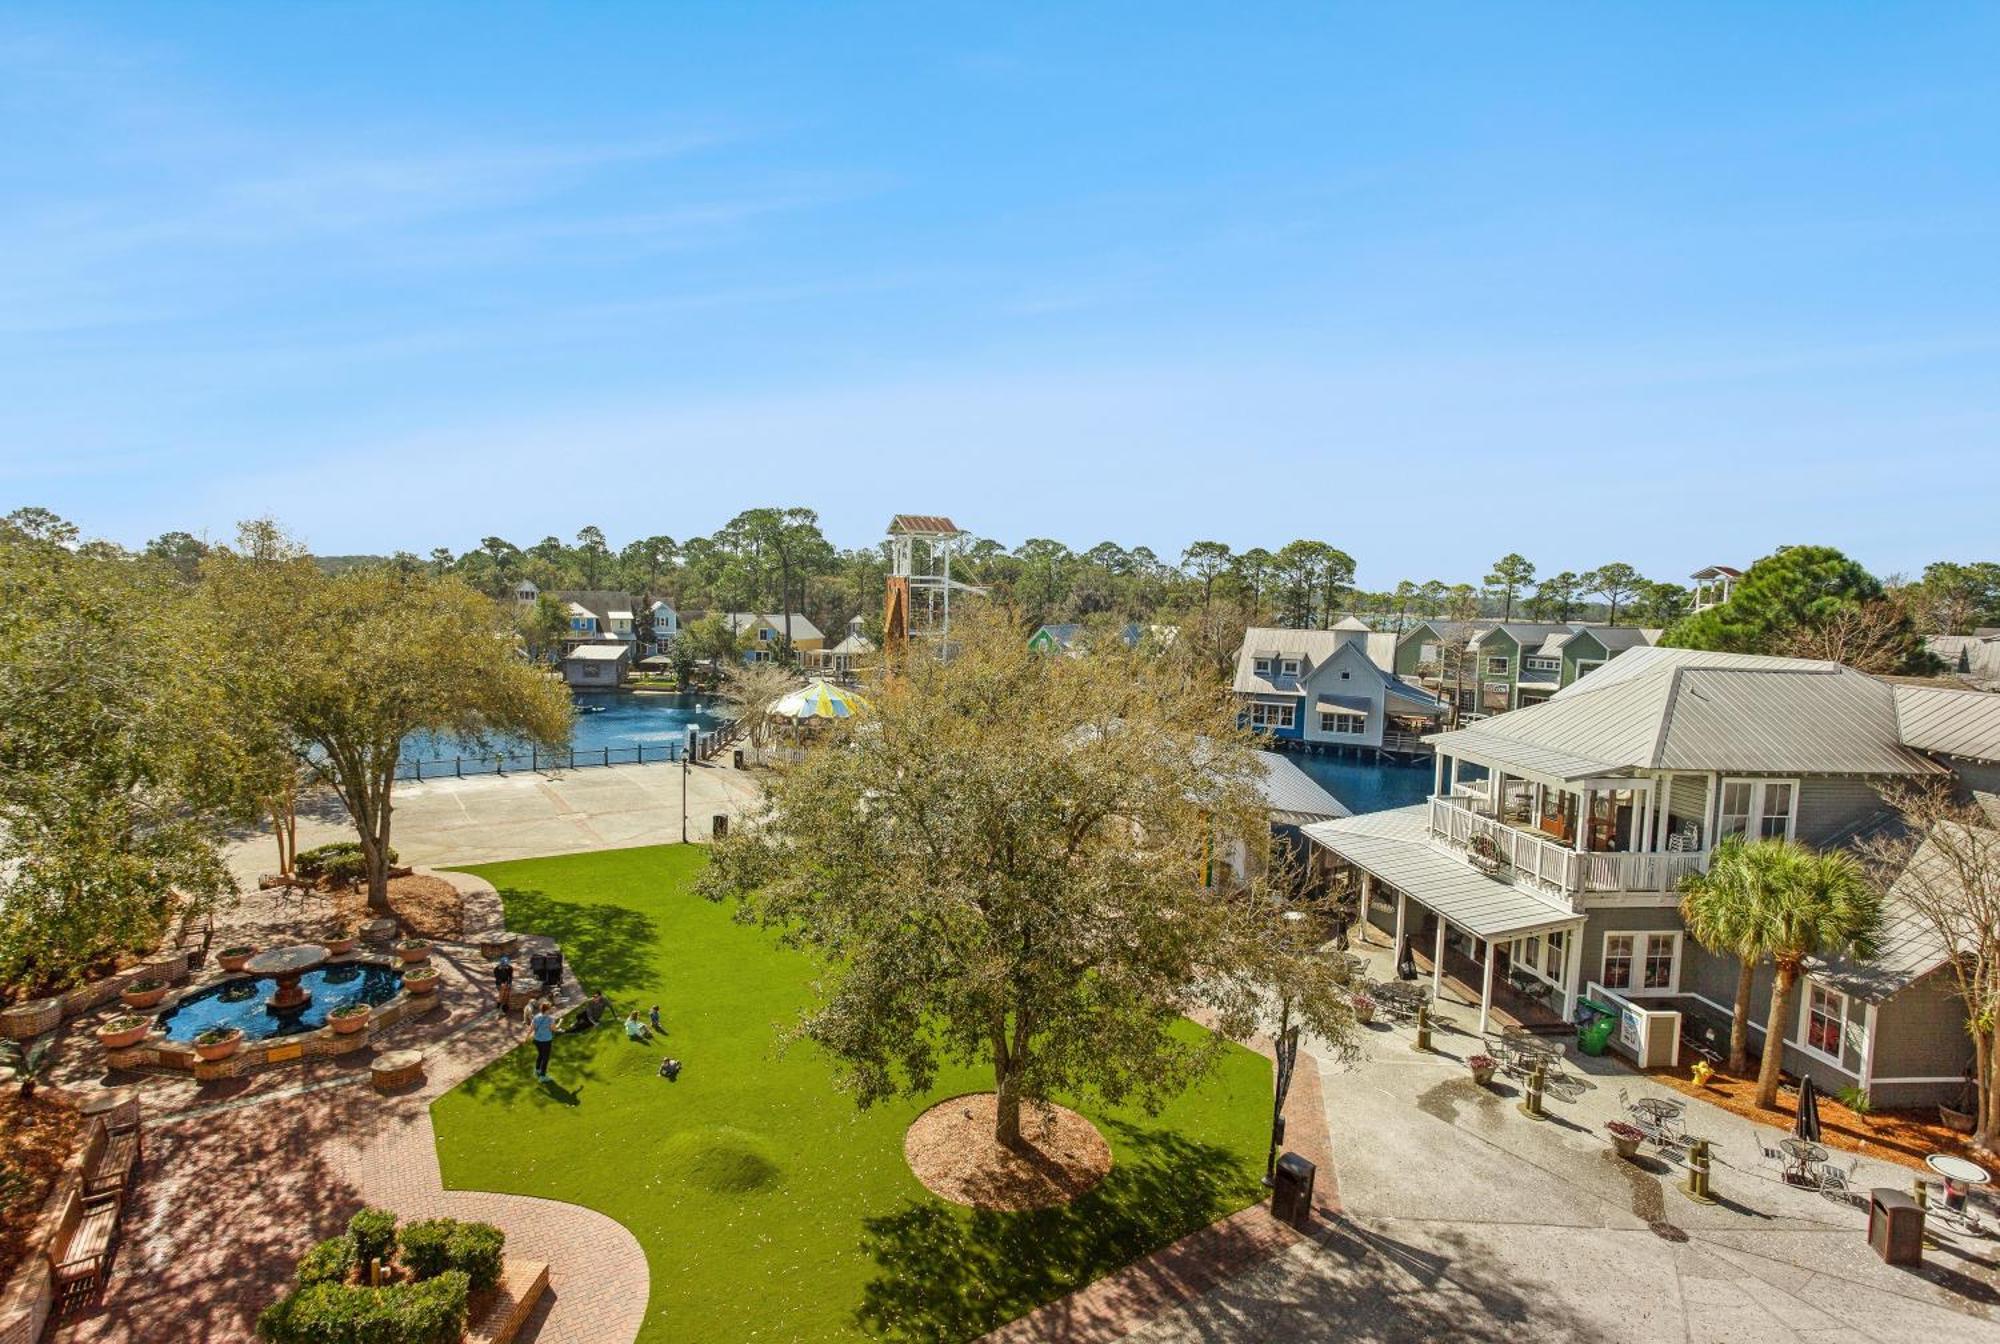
(770, 1207)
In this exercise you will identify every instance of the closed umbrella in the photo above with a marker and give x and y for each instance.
(1806, 1126)
(1406, 965)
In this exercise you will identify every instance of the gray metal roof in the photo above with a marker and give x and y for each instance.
(1292, 795)
(599, 653)
(1684, 709)
(1396, 847)
(1953, 723)
(1317, 648)
(1911, 946)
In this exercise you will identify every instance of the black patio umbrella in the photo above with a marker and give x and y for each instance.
(1806, 1126)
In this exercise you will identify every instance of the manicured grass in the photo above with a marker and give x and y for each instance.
(770, 1207)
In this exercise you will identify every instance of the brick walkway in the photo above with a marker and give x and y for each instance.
(239, 1178)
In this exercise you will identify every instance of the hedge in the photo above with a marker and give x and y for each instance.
(332, 1261)
(429, 1312)
(339, 862)
(374, 1234)
(434, 1246)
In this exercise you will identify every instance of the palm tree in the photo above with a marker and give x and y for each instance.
(1820, 905)
(1720, 908)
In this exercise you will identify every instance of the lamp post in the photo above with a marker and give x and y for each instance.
(687, 761)
(1285, 1051)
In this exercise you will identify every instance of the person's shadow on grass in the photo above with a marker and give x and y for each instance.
(567, 1096)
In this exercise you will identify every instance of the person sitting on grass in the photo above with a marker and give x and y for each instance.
(635, 1027)
(593, 1011)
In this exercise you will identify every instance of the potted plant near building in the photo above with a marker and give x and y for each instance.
(1483, 1067)
(341, 941)
(144, 993)
(420, 980)
(1624, 1138)
(1364, 1009)
(217, 1043)
(1484, 851)
(413, 949)
(350, 1017)
(235, 958)
(124, 1031)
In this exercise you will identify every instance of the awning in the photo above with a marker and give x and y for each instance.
(1355, 706)
(1395, 848)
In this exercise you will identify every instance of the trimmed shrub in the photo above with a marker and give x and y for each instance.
(436, 1246)
(340, 863)
(374, 1234)
(431, 1312)
(332, 1261)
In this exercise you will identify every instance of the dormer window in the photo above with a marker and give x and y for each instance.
(1288, 667)
(1262, 667)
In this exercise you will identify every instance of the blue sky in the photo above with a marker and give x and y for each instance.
(1431, 283)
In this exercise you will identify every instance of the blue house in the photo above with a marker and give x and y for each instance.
(1321, 687)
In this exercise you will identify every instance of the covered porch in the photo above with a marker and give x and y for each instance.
(1512, 952)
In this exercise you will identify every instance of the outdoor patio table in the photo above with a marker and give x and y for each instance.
(1661, 1111)
(1959, 1174)
(1801, 1158)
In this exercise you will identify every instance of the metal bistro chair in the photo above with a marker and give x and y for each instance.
(1837, 1182)
(1768, 1153)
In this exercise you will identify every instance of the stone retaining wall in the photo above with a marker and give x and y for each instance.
(25, 1021)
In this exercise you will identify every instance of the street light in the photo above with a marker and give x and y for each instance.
(1285, 1049)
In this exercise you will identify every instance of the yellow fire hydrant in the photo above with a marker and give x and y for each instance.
(1702, 1071)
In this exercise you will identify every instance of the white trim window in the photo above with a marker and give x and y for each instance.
(1352, 725)
(1757, 809)
(1262, 667)
(1288, 667)
(1641, 963)
(1588, 665)
(1542, 664)
(1823, 1021)
(1496, 666)
(1264, 714)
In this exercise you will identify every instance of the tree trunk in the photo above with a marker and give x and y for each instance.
(1739, 1018)
(1774, 1033)
(1986, 1078)
(1007, 1115)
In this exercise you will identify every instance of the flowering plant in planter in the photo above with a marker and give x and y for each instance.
(350, 1017)
(217, 1043)
(1482, 1067)
(123, 1031)
(234, 958)
(1625, 1138)
(1485, 851)
(144, 993)
(1364, 1008)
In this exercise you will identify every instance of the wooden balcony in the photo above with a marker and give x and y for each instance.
(1531, 859)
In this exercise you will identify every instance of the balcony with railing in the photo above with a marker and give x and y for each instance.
(1530, 858)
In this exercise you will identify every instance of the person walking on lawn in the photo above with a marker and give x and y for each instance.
(544, 1028)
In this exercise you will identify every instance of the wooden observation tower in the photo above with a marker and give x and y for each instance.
(918, 602)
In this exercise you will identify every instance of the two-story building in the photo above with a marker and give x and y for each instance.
(763, 634)
(1496, 666)
(598, 617)
(1545, 867)
(1321, 688)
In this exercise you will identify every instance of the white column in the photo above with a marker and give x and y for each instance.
(1583, 823)
(1572, 971)
(1437, 773)
(1437, 963)
(1642, 825)
(1665, 785)
(1486, 988)
(1453, 781)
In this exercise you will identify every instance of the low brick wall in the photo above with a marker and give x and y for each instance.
(500, 1318)
(25, 1021)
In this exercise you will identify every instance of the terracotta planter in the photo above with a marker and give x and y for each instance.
(211, 1051)
(420, 952)
(346, 1024)
(234, 958)
(135, 997)
(1364, 1013)
(123, 1038)
(340, 947)
(419, 985)
(1482, 1077)
(1626, 1148)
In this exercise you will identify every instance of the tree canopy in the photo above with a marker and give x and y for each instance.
(1006, 863)
(1807, 601)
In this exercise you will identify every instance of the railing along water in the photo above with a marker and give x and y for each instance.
(536, 761)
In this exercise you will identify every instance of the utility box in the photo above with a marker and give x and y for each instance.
(1895, 1227)
(1292, 1191)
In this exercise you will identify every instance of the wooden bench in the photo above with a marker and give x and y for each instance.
(115, 1163)
(396, 1069)
(86, 1254)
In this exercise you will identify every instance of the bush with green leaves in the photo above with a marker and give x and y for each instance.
(374, 1235)
(340, 863)
(432, 1311)
(332, 1261)
(434, 1246)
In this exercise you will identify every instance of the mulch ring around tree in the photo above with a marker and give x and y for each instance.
(951, 1149)
(428, 907)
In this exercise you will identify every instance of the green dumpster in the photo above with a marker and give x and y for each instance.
(1594, 1024)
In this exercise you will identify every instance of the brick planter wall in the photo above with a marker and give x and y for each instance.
(25, 1021)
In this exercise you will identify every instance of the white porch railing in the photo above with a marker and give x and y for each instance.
(1530, 860)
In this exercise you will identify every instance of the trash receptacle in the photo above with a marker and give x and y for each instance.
(1292, 1190)
(721, 825)
(1895, 1227)
(1594, 1024)
(736, 758)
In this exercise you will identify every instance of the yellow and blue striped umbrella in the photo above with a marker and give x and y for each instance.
(818, 700)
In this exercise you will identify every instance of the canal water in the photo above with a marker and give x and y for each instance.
(610, 728)
(1367, 785)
